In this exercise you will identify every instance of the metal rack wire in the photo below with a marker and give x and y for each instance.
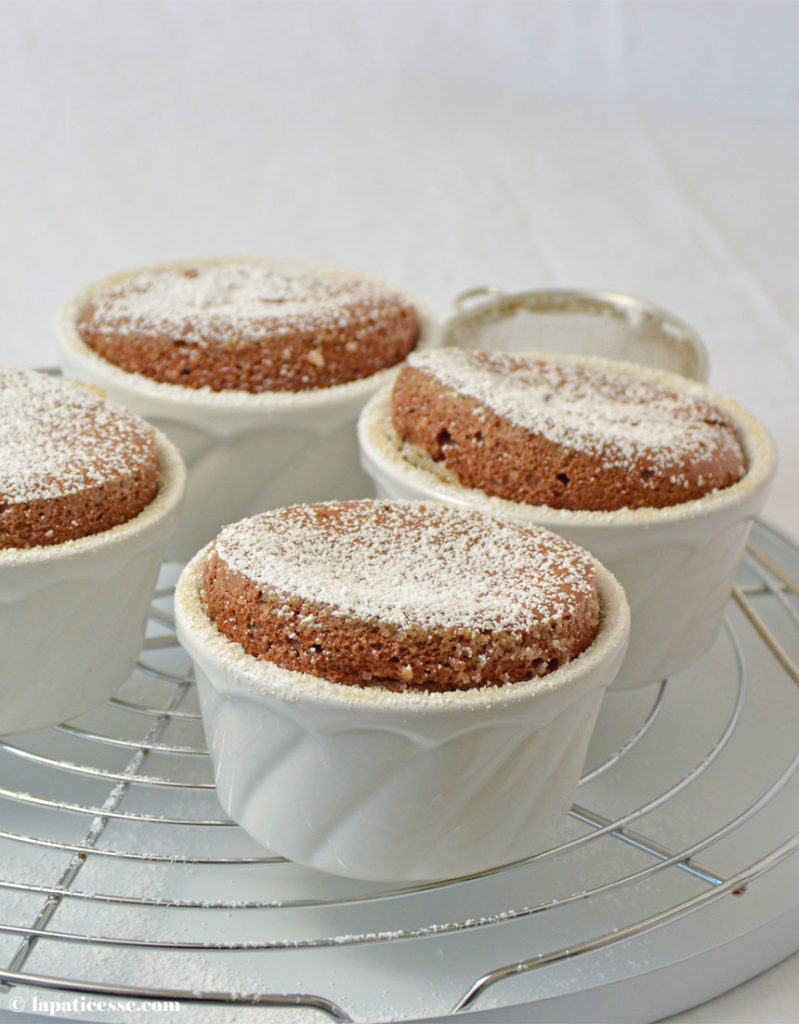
(113, 850)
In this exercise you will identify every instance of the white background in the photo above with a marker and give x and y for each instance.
(646, 147)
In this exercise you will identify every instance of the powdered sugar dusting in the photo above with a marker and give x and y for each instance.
(588, 409)
(58, 437)
(234, 302)
(410, 564)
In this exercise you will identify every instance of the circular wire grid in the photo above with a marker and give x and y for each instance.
(120, 876)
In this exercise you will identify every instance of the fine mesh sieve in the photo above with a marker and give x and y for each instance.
(590, 322)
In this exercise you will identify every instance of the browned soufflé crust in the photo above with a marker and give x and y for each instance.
(71, 463)
(241, 325)
(561, 433)
(400, 595)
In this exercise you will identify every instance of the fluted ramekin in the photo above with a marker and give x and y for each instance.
(73, 615)
(375, 784)
(676, 564)
(244, 452)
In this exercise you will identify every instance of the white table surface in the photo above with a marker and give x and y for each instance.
(651, 148)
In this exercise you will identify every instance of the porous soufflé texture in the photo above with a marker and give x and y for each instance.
(400, 595)
(71, 463)
(562, 433)
(240, 325)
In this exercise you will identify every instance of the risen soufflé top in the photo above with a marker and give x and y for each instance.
(401, 595)
(242, 325)
(564, 433)
(71, 463)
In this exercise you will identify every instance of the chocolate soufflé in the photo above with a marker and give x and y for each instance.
(243, 325)
(399, 595)
(71, 463)
(562, 433)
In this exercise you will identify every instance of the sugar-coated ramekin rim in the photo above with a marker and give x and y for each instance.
(256, 678)
(380, 448)
(149, 520)
(176, 396)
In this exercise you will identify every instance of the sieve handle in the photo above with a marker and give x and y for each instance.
(481, 291)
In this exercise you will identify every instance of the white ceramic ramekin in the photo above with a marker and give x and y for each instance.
(73, 615)
(244, 452)
(382, 785)
(677, 565)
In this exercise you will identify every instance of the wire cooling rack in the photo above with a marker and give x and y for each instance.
(121, 877)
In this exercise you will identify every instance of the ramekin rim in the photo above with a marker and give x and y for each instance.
(69, 339)
(258, 677)
(169, 496)
(758, 444)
